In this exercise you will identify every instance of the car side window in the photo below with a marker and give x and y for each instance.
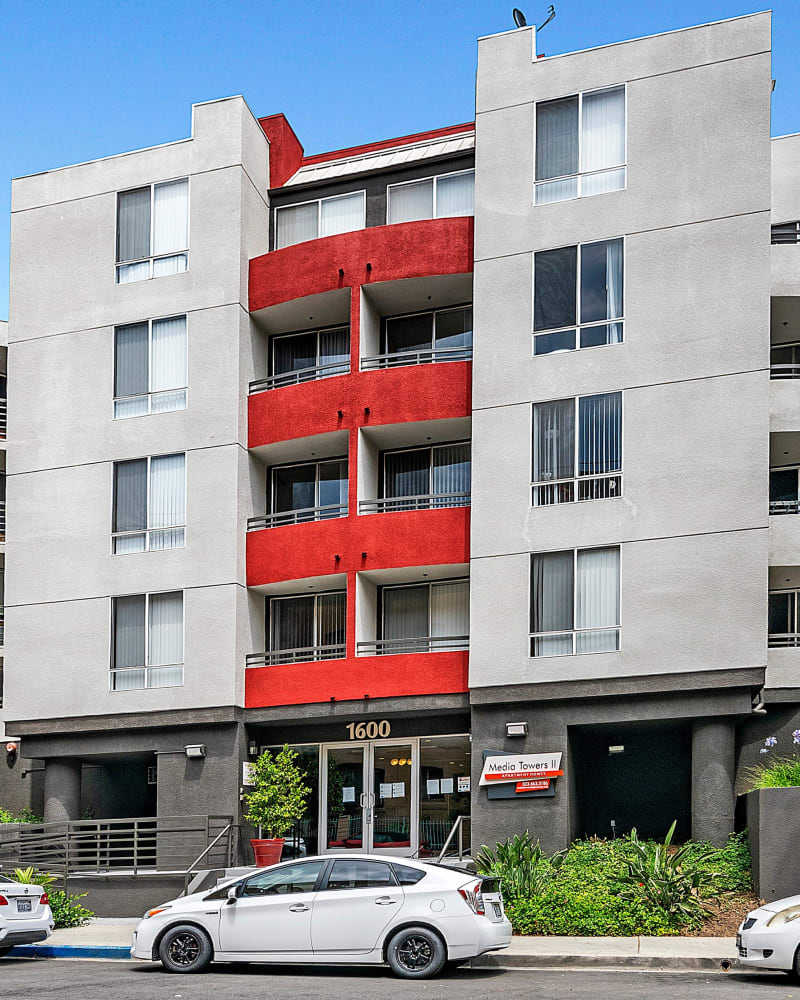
(408, 876)
(284, 881)
(355, 874)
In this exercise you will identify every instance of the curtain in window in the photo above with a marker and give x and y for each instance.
(603, 140)
(597, 599)
(557, 149)
(455, 195)
(554, 284)
(296, 223)
(166, 640)
(405, 612)
(130, 369)
(600, 434)
(553, 440)
(551, 602)
(168, 363)
(614, 278)
(128, 648)
(133, 235)
(331, 616)
(176, 264)
(130, 504)
(450, 608)
(451, 469)
(334, 349)
(410, 202)
(171, 217)
(407, 473)
(292, 623)
(291, 354)
(167, 500)
(341, 215)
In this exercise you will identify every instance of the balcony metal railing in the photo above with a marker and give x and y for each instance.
(784, 371)
(786, 232)
(2, 631)
(422, 644)
(3, 418)
(428, 501)
(603, 487)
(298, 376)
(303, 654)
(427, 357)
(2, 520)
(783, 640)
(284, 517)
(784, 506)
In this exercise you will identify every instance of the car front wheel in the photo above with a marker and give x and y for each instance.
(185, 949)
(416, 953)
(5, 950)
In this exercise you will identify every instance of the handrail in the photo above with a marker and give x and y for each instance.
(418, 644)
(3, 419)
(783, 640)
(326, 512)
(784, 506)
(457, 826)
(398, 359)
(423, 501)
(300, 654)
(784, 371)
(299, 375)
(200, 857)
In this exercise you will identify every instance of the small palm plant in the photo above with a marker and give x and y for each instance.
(520, 863)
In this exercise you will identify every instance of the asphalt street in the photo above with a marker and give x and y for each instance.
(26, 979)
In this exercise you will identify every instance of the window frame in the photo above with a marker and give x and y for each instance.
(420, 180)
(149, 394)
(573, 631)
(422, 447)
(316, 330)
(151, 257)
(323, 863)
(794, 611)
(580, 174)
(434, 313)
(578, 325)
(315, 645)
(317, 462)
(145, 666)
(394, 883)
(429, 584)
(147, 530)
(318, 202)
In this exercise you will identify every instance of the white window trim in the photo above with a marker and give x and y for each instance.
(420, 180)
(576, 454)
(574, 632)
(578, 326)
(147, 667)
(318, 202)
(151, 256)
(148, 530)
(149, 394)
(580, 174)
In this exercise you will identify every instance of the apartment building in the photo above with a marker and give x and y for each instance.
(446, 448)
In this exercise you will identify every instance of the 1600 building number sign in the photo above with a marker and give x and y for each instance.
(369, 730)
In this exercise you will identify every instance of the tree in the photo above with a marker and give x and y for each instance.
(279, 793)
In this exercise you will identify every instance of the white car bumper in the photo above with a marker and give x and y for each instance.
(762, 947)
(494, 936)
(143, 938)
(27, 931)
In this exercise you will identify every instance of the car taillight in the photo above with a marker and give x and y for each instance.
(3, 901)
(473, 898)
(44, 900)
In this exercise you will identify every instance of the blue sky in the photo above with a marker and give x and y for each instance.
(89, 79)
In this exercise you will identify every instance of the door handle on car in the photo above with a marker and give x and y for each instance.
(385, 901)
(299, 908)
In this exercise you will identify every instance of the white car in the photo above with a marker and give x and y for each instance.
(25, 914)
(769, 937)
(369, 909)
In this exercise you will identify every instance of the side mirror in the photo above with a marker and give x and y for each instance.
(233, 894)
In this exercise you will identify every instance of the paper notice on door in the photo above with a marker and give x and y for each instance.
(398, 789)
(463, 784)
(447, 786)
(349, 793)
(386, 790)
(433, 786)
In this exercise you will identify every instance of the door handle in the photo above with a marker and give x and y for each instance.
(385, 901)
(299, 908)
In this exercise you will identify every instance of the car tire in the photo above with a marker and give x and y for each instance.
(794, 972)
(416, 953)
(5, 950)
(185, 948)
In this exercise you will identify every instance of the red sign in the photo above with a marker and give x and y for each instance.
(525, 775)
(536, 785)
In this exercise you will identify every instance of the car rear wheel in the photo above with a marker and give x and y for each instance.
(185, 949)
(794, 972)
(416, 953)
(5, 950)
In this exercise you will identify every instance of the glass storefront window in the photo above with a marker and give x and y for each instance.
(444, 795)
(302, 840)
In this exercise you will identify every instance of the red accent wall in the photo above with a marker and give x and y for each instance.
(285, 151)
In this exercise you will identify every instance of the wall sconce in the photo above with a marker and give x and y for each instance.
(195, 750)
(252, 748)
(516, 729)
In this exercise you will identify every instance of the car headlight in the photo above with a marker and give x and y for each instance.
(786, 916)
(155, 910)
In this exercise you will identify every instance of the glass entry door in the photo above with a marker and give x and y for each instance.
(370, 801)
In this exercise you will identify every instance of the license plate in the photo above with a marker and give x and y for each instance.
(23, 906)
(498, 909)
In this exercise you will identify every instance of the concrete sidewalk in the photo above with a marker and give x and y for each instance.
(112, 939)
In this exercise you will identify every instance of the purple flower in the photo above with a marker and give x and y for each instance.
(796, 736)
(770, 741)
(763, 750)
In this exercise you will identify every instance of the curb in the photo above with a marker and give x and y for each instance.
(684, 963)
(70, 951)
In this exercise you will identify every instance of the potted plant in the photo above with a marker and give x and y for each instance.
(278, 800)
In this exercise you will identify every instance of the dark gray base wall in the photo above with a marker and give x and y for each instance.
(781, 720)
(772, 821)
(22, 784)
(125, 897)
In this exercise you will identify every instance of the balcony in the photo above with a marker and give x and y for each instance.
(430, 501)
(3, 418)
(298, 376)
(784, 506)
(303, 516)
(426, 357)
(303, 654)
(423, 644)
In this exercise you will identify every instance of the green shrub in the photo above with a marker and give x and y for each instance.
(279, 793)
(781, 772)
(521, 865)
(25, 816)
(67, 911)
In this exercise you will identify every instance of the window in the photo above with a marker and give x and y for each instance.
(408, 876)
(433, 198)
(303, 357)
(289, 880)
(423, 618)
(422, 478)
(355, 874)
(153, 231)
(576, 291)
(785, 232)
(784, 491)
(784, 361)
(311, 627)
(150, 368)
(147, 643)
(313, 491)
(575, 602)
(445, 334)
(577, 449)
(322, 217)
(580, 145)
(149, 504)
(784, 618)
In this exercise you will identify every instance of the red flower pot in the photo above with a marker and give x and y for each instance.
(267, 852)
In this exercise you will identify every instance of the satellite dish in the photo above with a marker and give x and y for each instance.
(519, 18)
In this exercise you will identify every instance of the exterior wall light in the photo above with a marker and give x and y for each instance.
(516, 729)
(619, 748)
(195, 750)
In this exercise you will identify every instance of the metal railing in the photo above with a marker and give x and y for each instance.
(784, 371)
(785, 232)
(2, 632)
(606, 486)
(398, 359)
(3, 418)
(783, 640)
(456, 831)
(2, 520)
(428, 501)
(130, 846)
(303, 654)
(422, 644)
(328, 512)
(298, 376)
(784, 506)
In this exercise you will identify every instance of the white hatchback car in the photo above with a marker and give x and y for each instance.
(769, 937)
(369, 909)
(25, 914)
